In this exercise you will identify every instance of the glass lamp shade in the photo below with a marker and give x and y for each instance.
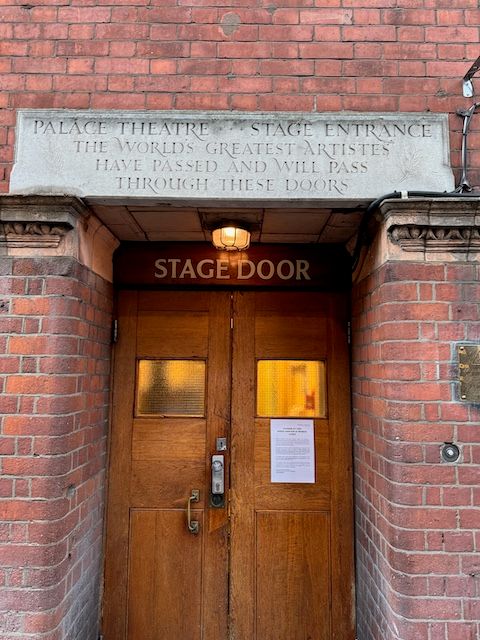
(231, 238)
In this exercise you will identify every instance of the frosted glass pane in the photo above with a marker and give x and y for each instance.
(171, 387)
(291, 388)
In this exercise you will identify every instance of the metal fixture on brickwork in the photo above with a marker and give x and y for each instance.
(467, 115)
(468, 91)
(450, 452)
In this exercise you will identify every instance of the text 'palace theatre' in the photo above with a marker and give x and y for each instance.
(239, 320)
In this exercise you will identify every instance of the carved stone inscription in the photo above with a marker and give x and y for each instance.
(212, 155)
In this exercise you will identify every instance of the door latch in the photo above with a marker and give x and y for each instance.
(221, 444)
(217, 495)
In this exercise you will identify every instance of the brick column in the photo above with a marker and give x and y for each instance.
(55, 322)
(418, 518)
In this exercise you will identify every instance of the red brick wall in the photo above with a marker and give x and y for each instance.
(418, 522)
(306, 55)
(292, 55)
(54, 376)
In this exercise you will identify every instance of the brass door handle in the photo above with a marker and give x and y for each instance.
(192, 525)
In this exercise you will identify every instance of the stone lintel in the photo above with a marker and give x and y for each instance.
(229, 157)
(55, 226)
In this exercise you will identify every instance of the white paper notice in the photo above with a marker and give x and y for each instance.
(292, 449)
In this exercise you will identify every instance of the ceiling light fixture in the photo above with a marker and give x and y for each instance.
(231, 237)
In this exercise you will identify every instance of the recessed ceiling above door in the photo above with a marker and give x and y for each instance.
(172, 223)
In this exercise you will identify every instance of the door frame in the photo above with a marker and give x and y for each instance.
(342, 492)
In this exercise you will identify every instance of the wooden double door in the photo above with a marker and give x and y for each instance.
(270, 559)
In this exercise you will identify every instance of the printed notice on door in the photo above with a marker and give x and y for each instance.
(292, 448)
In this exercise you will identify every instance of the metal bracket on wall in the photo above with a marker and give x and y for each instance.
(468, 90)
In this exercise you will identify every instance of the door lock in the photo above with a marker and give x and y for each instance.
(217, 495)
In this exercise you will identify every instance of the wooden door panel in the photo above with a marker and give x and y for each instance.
(184, 334)
(275, 336)
(152, 485)
(291, 325)
(154, 302)
(165, 576)
(168, 439)
(283, 303)
(168, 460)
(292, 496)
(173, 324)
(292, 575)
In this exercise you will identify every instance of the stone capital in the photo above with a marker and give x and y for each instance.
(445, 229)
(442, 229)
(55, 226)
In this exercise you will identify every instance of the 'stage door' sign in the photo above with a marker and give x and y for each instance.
(209, 156)
(198, 264)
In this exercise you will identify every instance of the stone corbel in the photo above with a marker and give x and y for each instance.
(430, 228)
(424, 229)
(412, 237)
(55, 226)
(33, 234)
(38, 222)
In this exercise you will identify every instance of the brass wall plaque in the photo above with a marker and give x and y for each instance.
(469, 372)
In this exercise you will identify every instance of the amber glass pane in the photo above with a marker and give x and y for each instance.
(171, 387)
(291, 388)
